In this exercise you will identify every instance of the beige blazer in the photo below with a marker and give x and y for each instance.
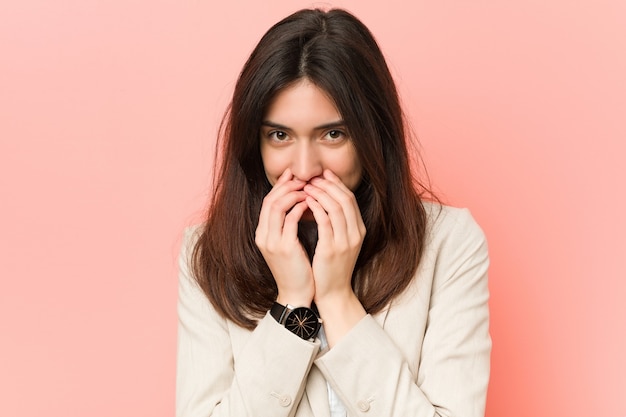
(427, 354)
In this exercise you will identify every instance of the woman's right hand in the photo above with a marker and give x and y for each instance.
(277, 238)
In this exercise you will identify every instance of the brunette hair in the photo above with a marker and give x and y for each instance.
(338, 54)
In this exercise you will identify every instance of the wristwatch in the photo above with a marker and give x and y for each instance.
(301, 321)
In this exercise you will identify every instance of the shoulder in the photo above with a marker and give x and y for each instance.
(454, 242)
(190, 236)
(450, 224)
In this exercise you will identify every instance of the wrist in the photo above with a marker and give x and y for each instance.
(340, 315)
(338, 302)
(295, 300)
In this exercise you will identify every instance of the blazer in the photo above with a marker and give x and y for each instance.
(426, 354)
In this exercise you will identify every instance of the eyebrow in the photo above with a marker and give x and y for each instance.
(336, 124)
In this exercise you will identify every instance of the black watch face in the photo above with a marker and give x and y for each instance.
(303, 322)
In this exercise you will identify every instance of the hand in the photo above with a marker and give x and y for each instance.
(340, 235)
(277, 238)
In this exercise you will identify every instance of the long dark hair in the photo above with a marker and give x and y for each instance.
(338, 54)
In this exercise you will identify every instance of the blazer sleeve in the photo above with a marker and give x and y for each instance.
(373, 378)
(264, 377)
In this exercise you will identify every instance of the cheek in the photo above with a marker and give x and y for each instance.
(354, 176)
(273, 165)
(348, 168)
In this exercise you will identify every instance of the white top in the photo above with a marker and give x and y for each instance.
(337, 409)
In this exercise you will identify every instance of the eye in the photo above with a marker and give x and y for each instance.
(335, 135)
(278, 135)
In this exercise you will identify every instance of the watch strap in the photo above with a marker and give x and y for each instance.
(279, 312)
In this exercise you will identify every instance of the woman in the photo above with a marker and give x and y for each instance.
(321, 284)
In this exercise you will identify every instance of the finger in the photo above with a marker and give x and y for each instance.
(333, 185)
(335, 211)
(290, 228)
(325, 232)
(285, 176)
(279, 208)
(283, 186)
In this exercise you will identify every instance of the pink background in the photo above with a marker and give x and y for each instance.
(108, 112)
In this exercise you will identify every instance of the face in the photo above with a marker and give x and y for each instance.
(304, 131)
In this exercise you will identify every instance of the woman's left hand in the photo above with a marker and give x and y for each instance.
(340, 235)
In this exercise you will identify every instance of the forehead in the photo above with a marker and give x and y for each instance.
(302, 103)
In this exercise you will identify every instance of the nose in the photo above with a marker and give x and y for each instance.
(306, 162)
